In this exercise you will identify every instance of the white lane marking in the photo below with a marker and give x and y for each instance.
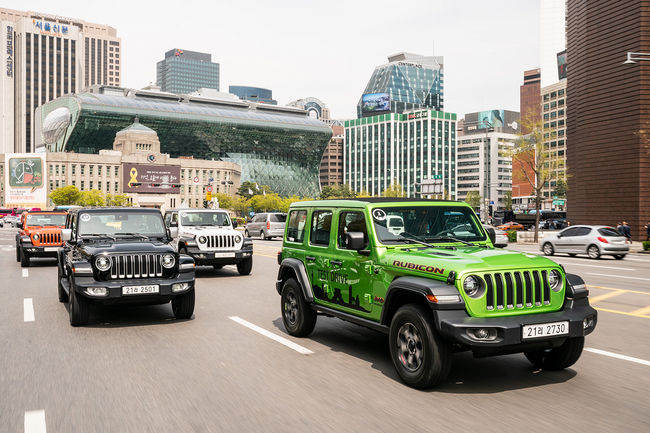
(272, 336)
(600, 266)
(35, 421)
(25, 273)
(618, 356)
(28, 310)
(617, 276)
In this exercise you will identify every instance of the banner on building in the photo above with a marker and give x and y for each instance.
(157, 179)
(25, 180)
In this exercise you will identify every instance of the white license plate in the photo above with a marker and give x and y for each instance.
(140, 290)
(50, 249)
(217, 255)
(545, 330)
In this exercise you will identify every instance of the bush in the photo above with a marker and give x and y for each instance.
(512, 235)
(240, 221)
(646, 245)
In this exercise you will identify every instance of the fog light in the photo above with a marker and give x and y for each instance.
(482, 334)
(587, 322)
(180, 287)
(97, 291)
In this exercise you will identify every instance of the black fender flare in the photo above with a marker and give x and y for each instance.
(300, 272)
(419, 287)
(576, 287)
(186, 242)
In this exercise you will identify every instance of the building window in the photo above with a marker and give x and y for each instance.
(83, 168)
(74, 169)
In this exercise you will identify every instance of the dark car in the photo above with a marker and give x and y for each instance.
(122, 256)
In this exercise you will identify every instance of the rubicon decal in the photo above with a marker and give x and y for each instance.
(416, 267)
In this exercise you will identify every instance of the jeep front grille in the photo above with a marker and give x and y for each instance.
(221, 241)
(136, 266)
(49, 239)
(511, 290)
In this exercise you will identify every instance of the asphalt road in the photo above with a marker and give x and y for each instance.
(139, 370)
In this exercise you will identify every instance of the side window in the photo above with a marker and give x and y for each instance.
(573, 231)
(175, 218)
(296, 229)
(583, 231)
(73, 226)
(351, 222)
(321, 224)
(168, 219)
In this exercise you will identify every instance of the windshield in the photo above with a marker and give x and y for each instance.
(42, 220)
(148, 224)
(189, 219)
(426, 223)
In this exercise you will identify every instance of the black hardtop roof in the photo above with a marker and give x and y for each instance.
(115, 210)
(195, 209)
(46, 211)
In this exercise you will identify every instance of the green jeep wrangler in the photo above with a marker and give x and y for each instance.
(426, 273)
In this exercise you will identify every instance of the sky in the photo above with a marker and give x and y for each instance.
(326, 49)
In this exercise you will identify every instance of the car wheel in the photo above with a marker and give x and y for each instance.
(246, 233)
(17, 252)
(619, 256)
(593, 252)
(298, 317)
(548, 249)
(24, 259)
(262, 235)
(63, 296)
(560, 357)
(183, 305)
(245, 266)
(420, 356)
(79, 307)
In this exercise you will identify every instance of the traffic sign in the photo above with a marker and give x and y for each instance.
(208, 188)
(208, 195)
(196, 179)
(436, 176)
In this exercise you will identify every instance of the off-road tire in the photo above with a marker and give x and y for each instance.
(17, 252)
(433, 352)
(593, 252)
(63, 296)
(560, 357)
(246, 233)
(79, 307)
(245, 266)
(548, 249)
(183, 305)
(24, 259)
(298, 317)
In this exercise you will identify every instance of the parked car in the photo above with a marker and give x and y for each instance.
(510, 226)
(266, 225)
(595, 241)
(437, 287)
(500, 237)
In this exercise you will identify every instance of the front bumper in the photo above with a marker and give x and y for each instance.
(38, 251)
(115, 295)
(453, 326)
(202, 257)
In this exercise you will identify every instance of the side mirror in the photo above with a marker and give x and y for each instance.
(173, 232)
(234, 224)
(559, 235)
(66, 235)
(492, 235)
(354, 241)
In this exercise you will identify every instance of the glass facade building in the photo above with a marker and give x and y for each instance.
(276, 146)
(183, 71)
(406, 148)
(407, 82)
(253, 94)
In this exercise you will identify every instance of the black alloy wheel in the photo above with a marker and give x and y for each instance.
(298, 317)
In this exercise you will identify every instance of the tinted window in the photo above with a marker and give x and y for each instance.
(608, 231)
(278, 218)
(321, 224)
(583, 231)
(296, 229)
(573, 231)
(351, 222)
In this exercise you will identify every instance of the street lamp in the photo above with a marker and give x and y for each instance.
(632, 58)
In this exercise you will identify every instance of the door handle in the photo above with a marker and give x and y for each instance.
(336, 262)
(310, 258)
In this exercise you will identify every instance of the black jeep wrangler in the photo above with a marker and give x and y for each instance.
(121, 255)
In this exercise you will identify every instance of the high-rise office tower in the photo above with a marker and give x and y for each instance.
(184, 71)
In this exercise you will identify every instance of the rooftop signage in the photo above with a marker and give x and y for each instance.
(52, 29)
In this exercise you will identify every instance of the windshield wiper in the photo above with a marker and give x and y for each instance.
(98, 235)
(413, 238)
(451, 238)
(131, 234)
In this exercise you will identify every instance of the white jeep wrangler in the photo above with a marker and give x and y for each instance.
(209, 236)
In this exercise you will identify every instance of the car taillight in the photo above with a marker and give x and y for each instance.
(268, 225)
(602, 239)
(279, 257)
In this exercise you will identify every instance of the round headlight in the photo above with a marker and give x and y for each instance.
(35, 237)
(202, 239)
(554, 280)
(238, 238)
(103, 263)
(471, 285)
(168, 261)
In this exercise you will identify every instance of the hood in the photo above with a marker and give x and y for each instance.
(441, 261)
(111, 247)
(204, 230)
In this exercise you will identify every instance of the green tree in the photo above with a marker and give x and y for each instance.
(328, 192)
(94, 197)
(240, 205)
(561, 188)
(364, 194)
(394, 190)
(225, 200)
(66, 195)
(286, 202)
(265, 202)
(118, 200)
(507, 200)
(473, 198)
(337, 191)
(249, 189)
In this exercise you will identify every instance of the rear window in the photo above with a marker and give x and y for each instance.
(278, 218)
(608, 231)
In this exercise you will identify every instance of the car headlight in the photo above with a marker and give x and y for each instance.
(202, 239)
(103, 263)
(554, 279)
(168, 260)
(35, 237)
(238, 238)
(472, 285)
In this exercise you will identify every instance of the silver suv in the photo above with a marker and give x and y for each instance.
(267, 225)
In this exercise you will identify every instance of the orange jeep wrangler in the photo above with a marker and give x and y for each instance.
(39, 235)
